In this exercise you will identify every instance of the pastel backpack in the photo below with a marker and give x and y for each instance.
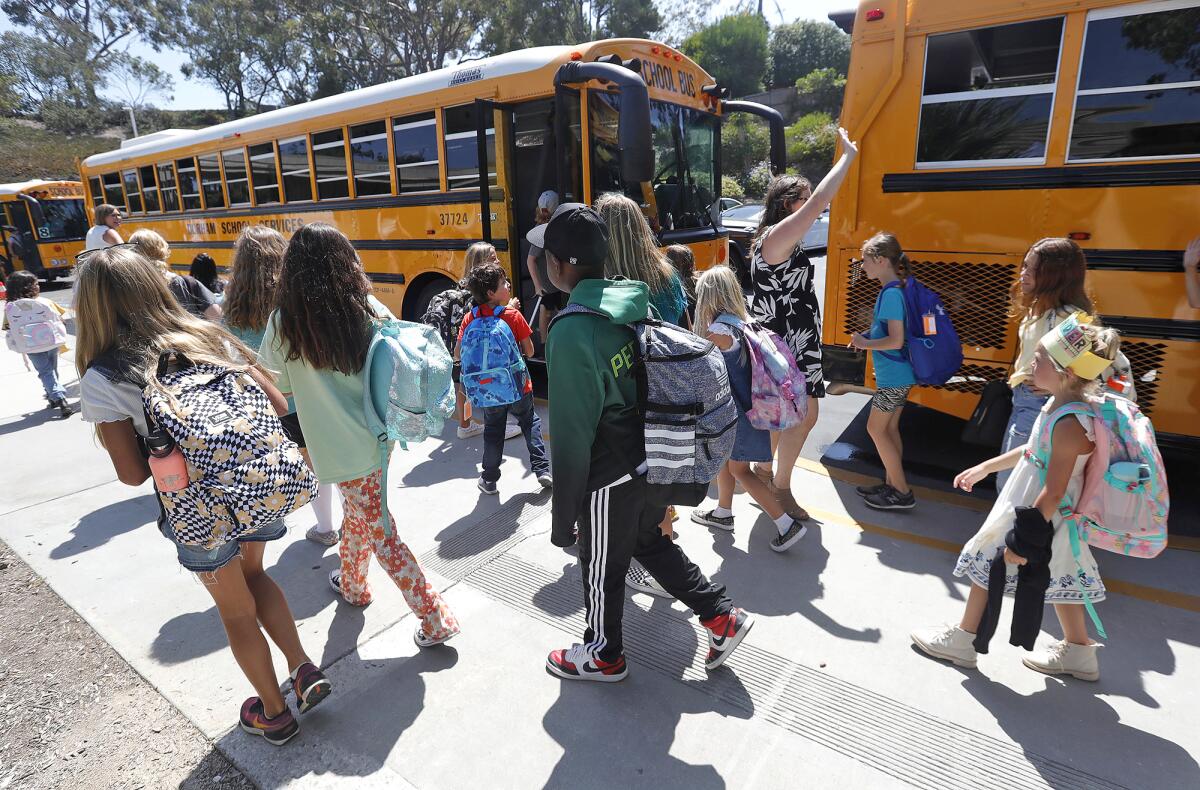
(33, 326)
(407, 391)
(243, 471)
(493, 370)
(778, 397)
(1124, 502)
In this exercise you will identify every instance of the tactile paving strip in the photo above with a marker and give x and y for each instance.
(891, 737)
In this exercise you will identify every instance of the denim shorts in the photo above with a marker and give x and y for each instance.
(198, 559)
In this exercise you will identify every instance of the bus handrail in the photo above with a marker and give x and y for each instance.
(633, 125)
(774, 123)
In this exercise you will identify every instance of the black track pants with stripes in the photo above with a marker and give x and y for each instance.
(618, 525)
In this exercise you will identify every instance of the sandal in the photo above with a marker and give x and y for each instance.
(789, 504)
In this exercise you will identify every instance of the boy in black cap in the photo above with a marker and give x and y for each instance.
(597, 439)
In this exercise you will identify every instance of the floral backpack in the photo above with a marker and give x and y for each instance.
(778, 398)
(1124, 502)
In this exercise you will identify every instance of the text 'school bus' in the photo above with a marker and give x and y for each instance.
(416, 170)
(42, 227)
(986, 126)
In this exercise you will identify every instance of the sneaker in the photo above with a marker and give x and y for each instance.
(471, 431)
(335, 581)
(512, 431)
(636, 578)
(891, 499)
(311, 686)
(425, 640)
(64, 409)
(788, 539)
(870, 490)
(545, 480)
(949, 642)
(786, 501)
(725, 633)
(707, 518)
(1066, 658)
(278, 730)
(317, 535)
(574, 664)
(488, 487)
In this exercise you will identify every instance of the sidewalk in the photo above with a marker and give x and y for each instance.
(826, 691)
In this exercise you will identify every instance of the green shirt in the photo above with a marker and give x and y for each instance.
(329, 405)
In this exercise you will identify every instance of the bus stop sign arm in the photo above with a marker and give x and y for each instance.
(774, 123)
(633, 127)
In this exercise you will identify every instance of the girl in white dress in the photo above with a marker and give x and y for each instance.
(1069, 372)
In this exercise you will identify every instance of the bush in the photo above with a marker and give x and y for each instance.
(745, 141)
(758, 180)
(60, 116)
(821, 91)
(811, 142)
(730, 188)
(805, 45)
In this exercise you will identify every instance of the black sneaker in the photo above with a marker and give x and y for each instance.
(488, 487)
(870, 490)
(891, 499)
(65, 409)
(788, 539)
(708, 519)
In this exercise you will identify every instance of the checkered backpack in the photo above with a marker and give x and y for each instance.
(244, 473)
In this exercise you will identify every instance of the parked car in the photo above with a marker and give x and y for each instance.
(724, 204)
(742, 221)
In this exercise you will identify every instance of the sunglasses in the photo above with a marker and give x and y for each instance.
(83, 256)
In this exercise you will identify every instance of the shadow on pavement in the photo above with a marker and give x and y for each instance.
(33, 419)
(105, 523)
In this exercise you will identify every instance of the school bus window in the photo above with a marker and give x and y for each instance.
(189, 183)
(64, 219)
(1139, 86)
(293, 159)
(988, 94)
(112, 189)
(167, 187)
(97, 190)
(603, 112)
(210, 181)
(415, 139)
(462, 148)
(133, 193)
(369, 159)
(149, 188)
(329, 158)
(263, 174)
(236, 182)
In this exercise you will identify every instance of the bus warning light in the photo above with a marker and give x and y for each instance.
(875, 14)
(1079, 235)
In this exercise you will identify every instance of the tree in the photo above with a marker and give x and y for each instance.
(805, 46)
(821, 91)
(135, 81)
(733, 50)
(683, 19)
(517, 24)
(745, 141)
(811, 142)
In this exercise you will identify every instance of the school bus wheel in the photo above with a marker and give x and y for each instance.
(420, 293)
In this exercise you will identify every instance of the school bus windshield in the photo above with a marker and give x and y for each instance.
(62, 219)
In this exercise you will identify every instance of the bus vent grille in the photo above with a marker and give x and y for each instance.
(975, 295)
(972, 377)
(1146, 359)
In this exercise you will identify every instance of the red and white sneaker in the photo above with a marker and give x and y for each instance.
(574, 664)
(725, 633)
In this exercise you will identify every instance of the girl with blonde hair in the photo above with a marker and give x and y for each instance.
(126, 317)
(191, 293)
(633, 254)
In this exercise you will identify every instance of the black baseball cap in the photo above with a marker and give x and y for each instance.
(576, 234)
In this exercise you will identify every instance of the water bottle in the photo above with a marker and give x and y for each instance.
(167, 464)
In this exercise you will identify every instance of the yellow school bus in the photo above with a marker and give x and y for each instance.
(986, 126)
(42, 226)
(416, 170)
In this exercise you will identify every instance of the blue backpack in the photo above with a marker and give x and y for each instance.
(407, 391)
(493, 370)
(931, 345)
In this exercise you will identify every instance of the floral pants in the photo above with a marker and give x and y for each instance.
(362, 534)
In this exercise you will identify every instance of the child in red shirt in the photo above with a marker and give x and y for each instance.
(491, 290)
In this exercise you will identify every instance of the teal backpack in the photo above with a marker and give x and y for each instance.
(407, 391)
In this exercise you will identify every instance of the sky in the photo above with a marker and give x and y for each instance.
(197, 95)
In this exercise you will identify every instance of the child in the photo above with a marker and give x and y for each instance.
(257, 261)
(35, 324)
(720, 310)
(634, 254)
(490, 290)
(550, 297)
(599, 456)
(318, 348)
(204, 269)
(191, 293)
(884, 261)
(680, 256)
(1070, 374)
(126, 318)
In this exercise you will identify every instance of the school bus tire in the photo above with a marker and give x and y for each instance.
(418, 295)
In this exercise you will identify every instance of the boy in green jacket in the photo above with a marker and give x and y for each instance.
(598, 452)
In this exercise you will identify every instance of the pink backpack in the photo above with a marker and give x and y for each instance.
(778, 398)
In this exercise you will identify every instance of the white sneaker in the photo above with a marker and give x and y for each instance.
(1066, 658)
(511, 431)
(948, 642)
(545, 480)
(472, 430)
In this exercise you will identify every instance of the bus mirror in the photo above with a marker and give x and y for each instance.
(633, 125)
(634, 65)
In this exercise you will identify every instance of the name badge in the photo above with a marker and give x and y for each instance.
(929, 321)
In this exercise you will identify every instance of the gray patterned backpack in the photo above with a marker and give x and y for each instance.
(687, 405)
(243, 471)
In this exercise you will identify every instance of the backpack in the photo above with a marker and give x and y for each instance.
(778, 398)
(1124, 501)
(244, 473)
(493, 370)
(687, 407)
(33, 326)
(445, 313)
(407, 391)
(931, 345)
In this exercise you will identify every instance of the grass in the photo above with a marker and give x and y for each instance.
(33, 152)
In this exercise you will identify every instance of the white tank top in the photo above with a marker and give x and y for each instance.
(95, 238)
